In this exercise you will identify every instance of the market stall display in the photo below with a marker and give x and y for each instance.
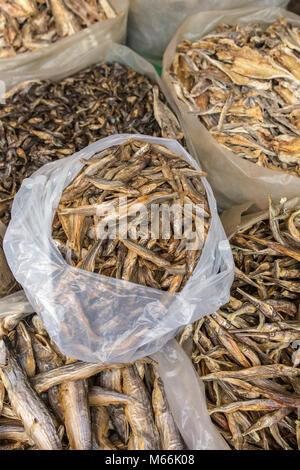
(149, 228)
(91, 315)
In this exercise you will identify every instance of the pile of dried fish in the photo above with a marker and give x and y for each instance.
(243, 83)
(146, 174)
(29, 25)
(51, 402)
(46, 120)
(248, 353)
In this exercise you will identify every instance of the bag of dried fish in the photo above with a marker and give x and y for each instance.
(33, 33)
(150, 404)
(95, 317)
(59, 113)
(235, 76)
(151, 25)
(247, 354)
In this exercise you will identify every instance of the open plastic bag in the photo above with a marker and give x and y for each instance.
(57, 57)
(152, 24)
(75, 305)
(233, 179)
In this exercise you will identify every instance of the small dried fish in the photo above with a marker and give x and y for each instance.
(245, 353)
(27, 405)
(40, 122)
(29, 25)
(140, 416)
(89, 399)
(143, 227)
(75, 406)
(242, 81)
(169, 434)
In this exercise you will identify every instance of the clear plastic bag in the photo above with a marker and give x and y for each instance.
(75, 305)
(59, 56)
(152, 24)
(186, 398)
(234, 180)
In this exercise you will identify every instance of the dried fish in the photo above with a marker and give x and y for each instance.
(27, 405)
(30, 25)
(98, 215)
(242, 81)
(100, 405)
(46, 120)
(245, 353)
(169, 434)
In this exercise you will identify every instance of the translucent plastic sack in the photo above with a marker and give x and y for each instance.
(186, 398)
(234, 180)
(152, 24)
(61, 54)
(74, 304)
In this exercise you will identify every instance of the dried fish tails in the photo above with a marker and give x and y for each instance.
(140, 416)
(169, 435)
(27, 405)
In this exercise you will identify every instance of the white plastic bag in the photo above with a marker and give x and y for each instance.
(151, 24)
(97, 318)
(186, 398)
(75, 47)
(234, 180)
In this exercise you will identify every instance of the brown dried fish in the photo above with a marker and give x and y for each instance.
(27, 405)
(29, 25)
(46, 120)
(90, 399)
(242, 82)
(98, 215)
(246, 352)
